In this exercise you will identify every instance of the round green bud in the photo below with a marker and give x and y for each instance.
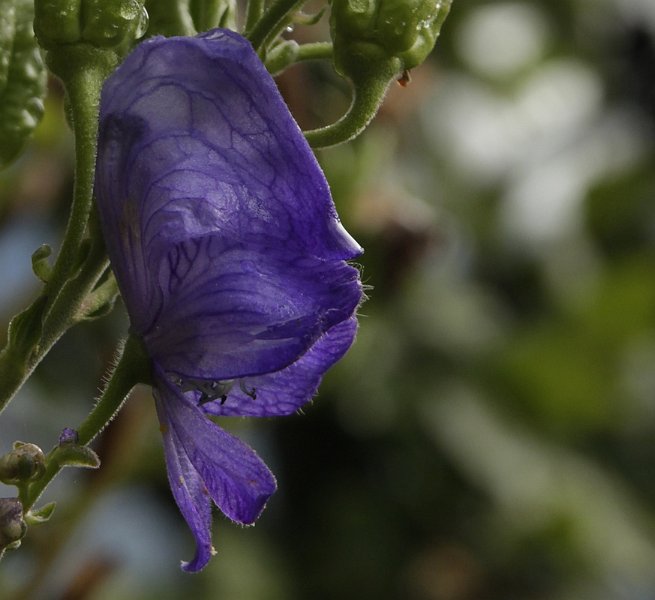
(110, 24)
(23, 78)
(398, 33)
(100, 23)
(26, 462)
(57, 22)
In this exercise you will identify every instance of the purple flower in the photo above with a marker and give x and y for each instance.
(229, 255)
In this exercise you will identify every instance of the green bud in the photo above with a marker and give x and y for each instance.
(26, 462)
(12, 525)
(22, 78)
(100, 23)
(57, 22)
(40, 264)
(110, 24)
(7, 31)
(376, 35)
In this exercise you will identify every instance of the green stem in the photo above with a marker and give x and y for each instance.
(83, 72)
(271, 23)
(207, 14)
(289, 53)
(254, 12)
(315, 51)
(368, 94)
(133, 367)
(17, 364)
(170, 17)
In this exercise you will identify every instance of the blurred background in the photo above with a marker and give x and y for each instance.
(490, 436)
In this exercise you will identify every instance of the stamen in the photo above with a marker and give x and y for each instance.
(252, 392)
(209, 390)
(213, 390)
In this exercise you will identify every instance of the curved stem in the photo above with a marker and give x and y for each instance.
(289, 53)
(133, 367)
(368, 94)
(271, 23)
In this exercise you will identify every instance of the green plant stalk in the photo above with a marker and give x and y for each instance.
(254, 12)
(83, 70)
(278, 60)
(368, 94)
(314, 51)
(64, 313)
(132, 367)
(271, 23)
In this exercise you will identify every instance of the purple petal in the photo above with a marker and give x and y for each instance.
(285, 391)
(196, 140)
(236, 478)
(234, 311)
(188, 489)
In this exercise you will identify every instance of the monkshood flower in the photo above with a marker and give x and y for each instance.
(229, 255)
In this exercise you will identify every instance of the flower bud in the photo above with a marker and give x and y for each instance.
(101, 23)
(68, 436)
(71, 454)
(26, 462)
(367, 33)
(12, 525)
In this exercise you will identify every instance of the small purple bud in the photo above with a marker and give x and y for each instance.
(68, 436)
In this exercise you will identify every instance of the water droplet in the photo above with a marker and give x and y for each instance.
(142, 26)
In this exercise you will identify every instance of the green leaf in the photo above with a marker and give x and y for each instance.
(40, 515)
(74, 455)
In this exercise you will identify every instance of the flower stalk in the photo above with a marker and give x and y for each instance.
(132, 367)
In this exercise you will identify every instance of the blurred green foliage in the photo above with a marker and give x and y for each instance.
(490, 435)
